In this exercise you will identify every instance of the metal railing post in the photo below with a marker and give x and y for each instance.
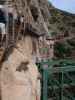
(45, 81)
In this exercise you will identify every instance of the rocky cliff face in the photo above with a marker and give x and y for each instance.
(18, 73)
(36, 14)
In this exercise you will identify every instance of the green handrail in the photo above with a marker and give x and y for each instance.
(66, 80)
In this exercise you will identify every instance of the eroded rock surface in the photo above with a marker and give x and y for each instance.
(19, 74)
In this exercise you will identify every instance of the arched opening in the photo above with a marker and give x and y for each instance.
(3, 22)
(34, 12)
(6, 27)
(2, 16)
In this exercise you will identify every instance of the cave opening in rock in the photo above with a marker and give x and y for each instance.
(35, 13)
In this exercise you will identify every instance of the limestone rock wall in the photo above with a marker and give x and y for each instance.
(36, 14)
(19, 76)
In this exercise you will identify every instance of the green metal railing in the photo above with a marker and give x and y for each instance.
(58, 79)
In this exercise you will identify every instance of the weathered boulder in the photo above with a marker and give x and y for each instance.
(19, 74)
